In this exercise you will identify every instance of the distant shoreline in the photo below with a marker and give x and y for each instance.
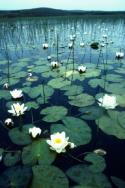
(36, 12)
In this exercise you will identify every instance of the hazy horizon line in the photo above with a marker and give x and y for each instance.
(64, 9)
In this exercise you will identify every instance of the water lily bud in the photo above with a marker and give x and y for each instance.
(49, 58)
(54, 64)
(30, 74)
(100, 152)
(6, 86)
(81, 69)
(45, 46)
(119, 55)
(35, 131)
(9, 123)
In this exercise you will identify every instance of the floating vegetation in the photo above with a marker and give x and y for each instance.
(62, 96)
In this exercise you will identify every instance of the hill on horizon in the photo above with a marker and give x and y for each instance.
(52, 12)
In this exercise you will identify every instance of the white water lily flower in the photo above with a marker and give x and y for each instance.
(59, 142)
(108, 102)
(82, 44)
(9, 122)
(54, 64)
(119, 54)
(45, 45)
(81, 69)
(16, 93)
(35, 131)
(17, 109)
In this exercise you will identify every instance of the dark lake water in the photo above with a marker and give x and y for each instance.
(63, 99)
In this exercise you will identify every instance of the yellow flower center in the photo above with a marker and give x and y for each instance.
(57, 140)
(17, 108)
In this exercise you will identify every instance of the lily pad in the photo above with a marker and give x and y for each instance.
(98, 162)
(18, 177)
(82, 175)
(54, 113)
(49, 177)
(91, 112)
(20, 135)
(72, 90)
(81, 100)
(38, 152)
(76, 129)
(10, 159)
(110, 125)
(57, 83)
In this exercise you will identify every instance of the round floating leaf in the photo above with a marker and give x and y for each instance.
(120, 100)
(81, 100)
(115, 88)
(76, 129)
(57, 83)
(97, 82)
(32, 105)
(4, 94)
(72, 90)
(110, 125)
(11, 159)
(18, 177)
(121, 119)
(114, 78)
(48, 177)
(98, 162)
(92, 73)
(91, 112)
(82, 175)
(118, 182)
(54, 113)
(38, 152)
(20, 135)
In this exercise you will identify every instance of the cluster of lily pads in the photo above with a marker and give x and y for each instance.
(34, 165)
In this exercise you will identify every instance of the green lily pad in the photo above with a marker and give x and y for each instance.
(72, 90)
(110, 125)
(81, 100)
(18, 177)
(57, 83)
(32, 105)
(121, 100)
(49, 177)
(20, 135)
(76, 129)
(38, 152)
(114, 78)
(96, 82)
(91, 112)
(82, 175)
(10, 159)
(98, 162)
(54, 113)
(121, 119)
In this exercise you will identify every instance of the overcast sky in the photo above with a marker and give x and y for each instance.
(64, 4)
